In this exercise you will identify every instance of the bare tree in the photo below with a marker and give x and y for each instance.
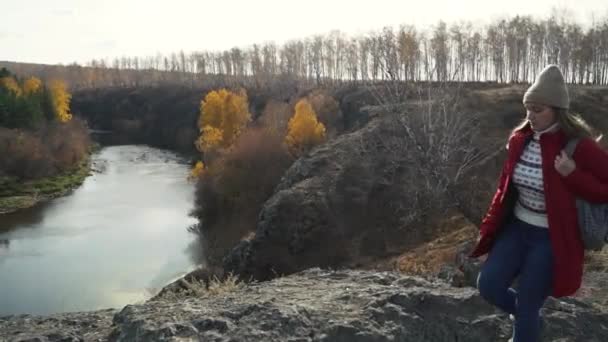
(364, 47)
(409, 52)
(507, 50)
(439, 46)
(317, 57)
(352, 59)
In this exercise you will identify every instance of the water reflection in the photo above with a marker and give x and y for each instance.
(118, 237)
(21, 218)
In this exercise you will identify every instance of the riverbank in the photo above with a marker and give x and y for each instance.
(15, 195)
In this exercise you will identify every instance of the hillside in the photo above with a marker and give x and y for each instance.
(371, 198)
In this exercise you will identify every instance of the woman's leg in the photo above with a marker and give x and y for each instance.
(534, 284)
(502, 266)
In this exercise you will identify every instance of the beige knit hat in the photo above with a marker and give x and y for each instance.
(549, 88)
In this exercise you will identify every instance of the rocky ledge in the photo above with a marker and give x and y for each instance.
(313, 305)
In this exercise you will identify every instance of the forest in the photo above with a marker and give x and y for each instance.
(507, 50)
(43, 147)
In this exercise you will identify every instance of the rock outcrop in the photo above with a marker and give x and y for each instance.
(352, 198)
(365, 195)
(68, 327)
(314, 305)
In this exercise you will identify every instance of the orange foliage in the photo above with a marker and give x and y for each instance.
(223, 115)
(304, 130)
(209, 139)
(197, 171)
(60, 100)
(32, 85)
(10, 84)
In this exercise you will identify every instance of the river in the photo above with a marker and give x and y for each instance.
(115, 240)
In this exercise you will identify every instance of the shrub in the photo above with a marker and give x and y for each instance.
(232, 190)
(275, 116)
(51, 149)
(328, 112)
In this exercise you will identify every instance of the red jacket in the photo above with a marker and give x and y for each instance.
(588, 181)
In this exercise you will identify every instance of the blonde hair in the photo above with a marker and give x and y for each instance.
(572, 124)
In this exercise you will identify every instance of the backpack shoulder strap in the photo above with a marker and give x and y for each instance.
(571, 146)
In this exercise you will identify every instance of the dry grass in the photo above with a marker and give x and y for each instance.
(200, 288)
(230, 284)
(430, 257)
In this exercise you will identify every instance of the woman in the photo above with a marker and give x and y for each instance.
(530, 230)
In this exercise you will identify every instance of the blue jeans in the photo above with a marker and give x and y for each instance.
(520, 250)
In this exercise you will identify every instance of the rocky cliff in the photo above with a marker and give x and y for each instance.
(351, 199)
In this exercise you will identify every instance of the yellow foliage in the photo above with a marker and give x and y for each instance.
(223, 115)
(304, 130)
(209, 139)
(211, 109)
(197, 171)
(11, 84)
(31, 85)
(60, 100)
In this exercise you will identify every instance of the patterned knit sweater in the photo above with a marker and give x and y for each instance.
(528, 179)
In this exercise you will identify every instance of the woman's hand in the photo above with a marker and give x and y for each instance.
(564, 164)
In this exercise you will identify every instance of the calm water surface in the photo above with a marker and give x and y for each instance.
(115, 240)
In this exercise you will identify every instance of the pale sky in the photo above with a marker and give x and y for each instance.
(65, 31)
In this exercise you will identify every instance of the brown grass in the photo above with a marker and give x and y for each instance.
(430, 257)
(199, 288)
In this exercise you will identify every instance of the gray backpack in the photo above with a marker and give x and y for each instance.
(592, 217)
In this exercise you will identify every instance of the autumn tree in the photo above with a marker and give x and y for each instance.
(10, 84)
(233, 189)
(60, 100)
(304, 131)
(19, 107)
(32, 85)
(223, 115)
